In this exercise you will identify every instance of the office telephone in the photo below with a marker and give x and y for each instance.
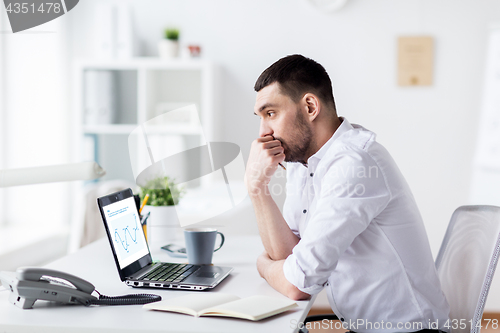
(29, 284)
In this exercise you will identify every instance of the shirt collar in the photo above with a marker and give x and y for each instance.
(344, 127)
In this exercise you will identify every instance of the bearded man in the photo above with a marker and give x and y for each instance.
(350, 223)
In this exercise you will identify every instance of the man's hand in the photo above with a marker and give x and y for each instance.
(272, 272)
(277, 237)
(265, 154)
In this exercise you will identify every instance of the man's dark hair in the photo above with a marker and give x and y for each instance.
(298, 75)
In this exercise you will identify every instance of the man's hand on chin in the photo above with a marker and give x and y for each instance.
(272, 272)
(265, 154)
(277, 237)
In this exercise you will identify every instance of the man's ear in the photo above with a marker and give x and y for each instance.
(312, 106)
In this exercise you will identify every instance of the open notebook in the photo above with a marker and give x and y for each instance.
(225, 305)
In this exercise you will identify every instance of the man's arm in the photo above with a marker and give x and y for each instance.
(275, 233)
(272, 272)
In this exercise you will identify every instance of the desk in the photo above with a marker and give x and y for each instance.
(95, 263)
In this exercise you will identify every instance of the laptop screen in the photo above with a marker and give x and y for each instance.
(127, 237)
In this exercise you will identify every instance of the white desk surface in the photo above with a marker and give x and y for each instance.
(95, 263)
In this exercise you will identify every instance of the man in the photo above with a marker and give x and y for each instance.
(350, 223)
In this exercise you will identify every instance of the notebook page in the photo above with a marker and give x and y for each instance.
(252, 308)
(192, 303)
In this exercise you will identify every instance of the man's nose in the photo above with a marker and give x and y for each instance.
(265, 130)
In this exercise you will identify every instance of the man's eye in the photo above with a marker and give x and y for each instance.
(271, 113)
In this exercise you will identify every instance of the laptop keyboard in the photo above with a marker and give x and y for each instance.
(169, 272)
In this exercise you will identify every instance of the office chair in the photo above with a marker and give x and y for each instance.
(465, 265)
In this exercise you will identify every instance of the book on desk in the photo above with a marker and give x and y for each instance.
(225, 305)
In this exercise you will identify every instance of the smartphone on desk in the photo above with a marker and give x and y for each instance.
(175, 250)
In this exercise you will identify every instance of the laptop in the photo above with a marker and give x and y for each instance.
(133, 258)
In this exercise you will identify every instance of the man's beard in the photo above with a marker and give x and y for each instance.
(297, 145)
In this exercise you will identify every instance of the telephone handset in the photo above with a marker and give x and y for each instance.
(29, 284)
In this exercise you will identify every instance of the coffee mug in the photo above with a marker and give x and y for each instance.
(200, 243)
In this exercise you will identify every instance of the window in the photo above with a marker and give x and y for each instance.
(34, 130)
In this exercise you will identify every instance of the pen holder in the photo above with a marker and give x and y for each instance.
(162, 226)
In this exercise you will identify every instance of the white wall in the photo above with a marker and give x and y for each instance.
(430, 131)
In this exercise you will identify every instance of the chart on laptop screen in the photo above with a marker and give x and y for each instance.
(126, 231)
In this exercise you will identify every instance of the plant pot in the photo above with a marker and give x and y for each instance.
(162, 226)
(168, 49)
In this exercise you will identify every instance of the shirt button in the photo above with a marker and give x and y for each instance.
(304, 211)
(341, 319)
(311, 174)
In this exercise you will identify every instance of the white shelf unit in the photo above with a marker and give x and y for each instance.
(142, 87)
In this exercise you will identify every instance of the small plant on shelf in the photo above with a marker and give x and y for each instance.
(172, 34)
(168, 47)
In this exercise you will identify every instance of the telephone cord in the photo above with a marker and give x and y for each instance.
(131, 299)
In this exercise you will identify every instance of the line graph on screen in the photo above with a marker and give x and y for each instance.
(127, 236)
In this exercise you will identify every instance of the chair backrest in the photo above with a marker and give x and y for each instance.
(466, 263)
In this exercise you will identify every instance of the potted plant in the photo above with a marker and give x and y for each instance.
(163, 223)
(168, 47)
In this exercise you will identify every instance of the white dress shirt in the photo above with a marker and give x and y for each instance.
(362, 237)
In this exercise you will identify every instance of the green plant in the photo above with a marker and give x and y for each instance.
(172, 34)
(162, 192)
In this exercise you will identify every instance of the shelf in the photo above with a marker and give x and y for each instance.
(174, 129)
(127, 129)
(143, 63)
(139, 92)
(109, 129)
